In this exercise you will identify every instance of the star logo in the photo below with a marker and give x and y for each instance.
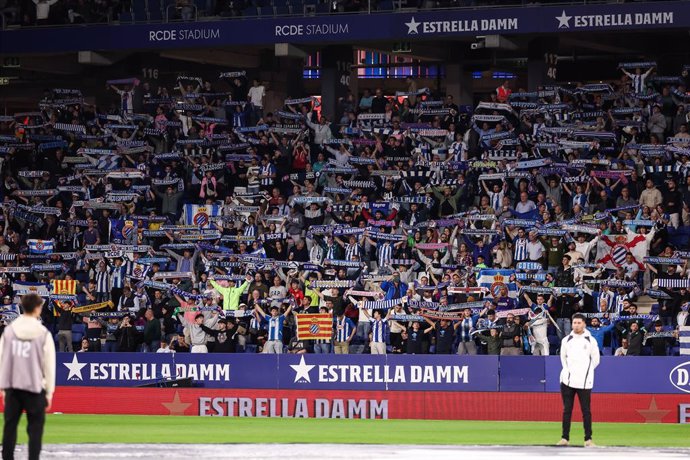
(302, 370)
(563, 21)
(412, 26)
(75, 368)
(176, 407)
(653, 414)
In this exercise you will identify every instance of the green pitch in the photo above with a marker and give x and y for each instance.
(202, 430)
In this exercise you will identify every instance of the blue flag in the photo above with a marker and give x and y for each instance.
(200, 215)
(123, 231)
(494, 280)
(40, 246)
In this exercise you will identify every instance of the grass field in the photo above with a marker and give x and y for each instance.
(202, 430)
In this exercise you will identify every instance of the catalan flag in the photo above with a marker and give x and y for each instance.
(60, 287)
(314, 326)
(64, 286)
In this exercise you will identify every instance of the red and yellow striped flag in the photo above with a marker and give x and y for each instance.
(63, 287)
(314, 326)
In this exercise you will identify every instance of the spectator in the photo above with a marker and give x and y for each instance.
(198, 336)
(634, 339)
(512, 337)
(275, 328)
(623, 349)
(43, 11)
(493, 342)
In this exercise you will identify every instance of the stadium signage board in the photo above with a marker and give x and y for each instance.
(360, 372)
(439, 373)
(348, 28)
(347, 404)
(680, 377)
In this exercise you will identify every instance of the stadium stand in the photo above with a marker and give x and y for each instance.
(196, 219)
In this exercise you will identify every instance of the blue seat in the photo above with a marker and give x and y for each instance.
(126, 17)
(251, 12)
(201, 8)
(155, 10)
(323, 8)
(139, 9)
(385, 5)
(282, 10)
(606, 351)
(250, 349)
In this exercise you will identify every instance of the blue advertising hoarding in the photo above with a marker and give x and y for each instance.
(349, 28)
(303, 372)
(668, 375)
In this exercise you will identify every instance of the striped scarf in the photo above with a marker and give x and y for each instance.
(382, 304)
(673, 283)
(333, 284)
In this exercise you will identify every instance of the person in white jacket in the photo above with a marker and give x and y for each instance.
(322, 130)
(579, 357)
(27, 375)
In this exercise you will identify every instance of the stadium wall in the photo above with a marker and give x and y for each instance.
(629, 389)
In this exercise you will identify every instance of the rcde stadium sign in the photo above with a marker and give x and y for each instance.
(346, 28)
(670, 375)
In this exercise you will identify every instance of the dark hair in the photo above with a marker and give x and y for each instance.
(198, 315)
(658, 323)
(579, 316)
(30, 302)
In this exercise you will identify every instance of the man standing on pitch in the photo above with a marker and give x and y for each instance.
(27, 376)
(579, 356)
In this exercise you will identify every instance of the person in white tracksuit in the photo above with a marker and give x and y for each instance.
(579, 357)
(539, 322)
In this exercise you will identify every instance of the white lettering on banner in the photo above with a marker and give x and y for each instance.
(148, 371)
(297, 408)
(463, 25)
(311, 29)
(680, 377)
(615, 20)
(371, 373)
(183, 35)
(684, 413)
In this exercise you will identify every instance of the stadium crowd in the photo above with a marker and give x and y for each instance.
(185, 218)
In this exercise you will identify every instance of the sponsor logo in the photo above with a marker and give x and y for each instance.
(293, 408)
(680, 377)
(298, 30)
(109, 371)
(684, 413)
(614, 20)
(380, 373)
(74, 368)
(462, 25)
(183, 35)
